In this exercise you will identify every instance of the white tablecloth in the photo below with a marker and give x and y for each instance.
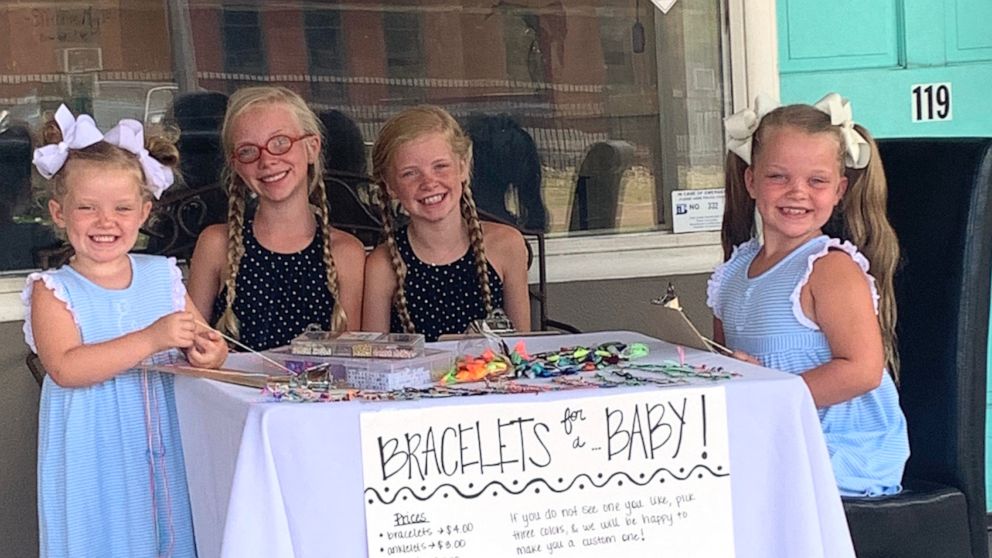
(285, 479)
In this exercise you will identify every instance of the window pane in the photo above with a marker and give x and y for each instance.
(585, 114)
(325, 49)
(243, 49)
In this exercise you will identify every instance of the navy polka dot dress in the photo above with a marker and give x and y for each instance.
(443, 298)
(278, 295)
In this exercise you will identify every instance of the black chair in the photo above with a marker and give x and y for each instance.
(24, 241)
(38, 371)
(538, 293)
(597, 190)
(200, 116)
(198, 199)
(344, 145)
(15, 167)
(940, 207)
(346, 178)
(505, 160)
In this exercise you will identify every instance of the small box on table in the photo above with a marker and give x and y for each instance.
(374, 373)
(358, 344)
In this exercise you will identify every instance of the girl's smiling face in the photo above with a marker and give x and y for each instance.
(102, 212)
(796, 181)
(426, 177)
(273, 177)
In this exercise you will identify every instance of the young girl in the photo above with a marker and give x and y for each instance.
(805, 300)
(273, 269)
(111, 478)
(446, 268)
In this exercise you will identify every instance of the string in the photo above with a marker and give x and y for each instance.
(720, 348)
(247, 348)
(149, 437)
(163, 468)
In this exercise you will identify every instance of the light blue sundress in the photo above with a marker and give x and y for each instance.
(762, 316)
(111, 477)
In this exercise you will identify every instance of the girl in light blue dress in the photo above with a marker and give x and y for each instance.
(804, 299)
(111, 479)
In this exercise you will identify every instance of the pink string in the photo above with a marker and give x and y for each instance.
(151, 451)
(153, 429)
(165, 476)
(681, 354)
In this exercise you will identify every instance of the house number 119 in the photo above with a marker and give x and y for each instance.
(931, 101)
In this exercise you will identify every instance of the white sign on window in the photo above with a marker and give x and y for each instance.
(697, 210)
(620, 475)
(931, 101)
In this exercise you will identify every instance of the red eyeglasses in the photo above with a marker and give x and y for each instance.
(277, 145)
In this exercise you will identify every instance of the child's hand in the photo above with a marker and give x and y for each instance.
(173, 330)
(209, 349)
(741, 355)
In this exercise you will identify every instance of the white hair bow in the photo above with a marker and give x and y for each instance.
(742, 124)
(77, 133)
(129, 134)
(857, 152)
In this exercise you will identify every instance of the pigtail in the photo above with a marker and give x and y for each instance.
(161, 145)
(399, 266)
(228, 322)
(866, 224)
(339, 320)
(738, 209)
(318, 197)
(471, 216)
(54, 187)
(51, 133)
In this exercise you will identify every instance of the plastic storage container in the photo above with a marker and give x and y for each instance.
(374, 373)
(358, 344)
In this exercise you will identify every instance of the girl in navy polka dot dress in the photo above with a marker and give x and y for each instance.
(446, 268)
(266, 274)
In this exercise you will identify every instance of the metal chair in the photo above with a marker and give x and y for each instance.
(539, 292)
(36, 368)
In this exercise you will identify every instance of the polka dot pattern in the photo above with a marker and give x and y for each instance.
(443, 298)
(278, 295)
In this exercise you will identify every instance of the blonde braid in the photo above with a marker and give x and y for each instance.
(339, 319)
(471, 217)
(399, 267)
(228, 322)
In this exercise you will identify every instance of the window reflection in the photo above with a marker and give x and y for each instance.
(583, 134)
(243, 48)
(325, 52)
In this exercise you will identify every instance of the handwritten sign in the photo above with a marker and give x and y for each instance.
(68, 25)
(630, 474)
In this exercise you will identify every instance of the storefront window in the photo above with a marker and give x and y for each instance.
(610, 123)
